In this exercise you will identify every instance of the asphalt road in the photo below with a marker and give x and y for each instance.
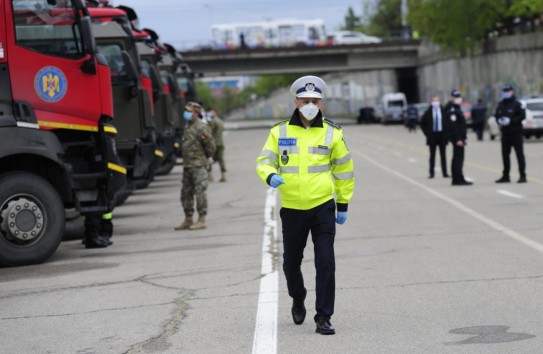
(421, 266)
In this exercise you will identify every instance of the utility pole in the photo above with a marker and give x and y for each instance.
(405, 30)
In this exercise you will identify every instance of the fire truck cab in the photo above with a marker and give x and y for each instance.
(137, 138)
(57, 143)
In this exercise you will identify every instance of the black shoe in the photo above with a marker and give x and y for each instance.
(504, 179)
(431, 176)
(446, 175)
(522, 179)
(298, 311)
(325, 327)
(97, 242)
(462, 183)
(107, 240)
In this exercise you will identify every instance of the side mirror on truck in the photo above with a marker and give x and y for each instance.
(89, 67)
(131, 73)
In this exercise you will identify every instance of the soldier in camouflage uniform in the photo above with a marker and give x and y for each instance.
(198, 146)
(217, 128)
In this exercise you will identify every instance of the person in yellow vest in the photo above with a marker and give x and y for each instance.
(307, 159)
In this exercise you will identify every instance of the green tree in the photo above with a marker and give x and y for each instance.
(231, 99)
(205, 95)
(352, 22)
(457, 28)
(266, 84)
(386, 21)
(382, 19)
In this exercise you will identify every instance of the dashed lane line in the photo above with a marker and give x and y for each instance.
(422, 151)
(471, 212)
(510, 194)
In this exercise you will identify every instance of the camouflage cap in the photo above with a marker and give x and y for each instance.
(193, 106)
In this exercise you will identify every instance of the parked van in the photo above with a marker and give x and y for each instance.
(391, 108)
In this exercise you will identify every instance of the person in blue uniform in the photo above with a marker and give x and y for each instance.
(509, 115)
(458, 137)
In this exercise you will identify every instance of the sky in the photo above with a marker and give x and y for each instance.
(185, 23)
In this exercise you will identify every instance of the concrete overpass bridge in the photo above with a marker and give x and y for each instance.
(300, 60)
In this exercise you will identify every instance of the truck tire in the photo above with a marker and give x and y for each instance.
(31, 219)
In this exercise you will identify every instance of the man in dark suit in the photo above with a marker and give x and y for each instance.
(458, 137)
(436, 128)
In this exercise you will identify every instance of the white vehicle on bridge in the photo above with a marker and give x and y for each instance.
(351, 37)
(532, 125)
(273, 33)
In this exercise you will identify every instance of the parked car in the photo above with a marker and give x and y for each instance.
(351, 37)
(422, 107)
(532, 125)
(366, 115)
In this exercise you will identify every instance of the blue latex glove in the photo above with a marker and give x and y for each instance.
(341, 217)
(276, 181)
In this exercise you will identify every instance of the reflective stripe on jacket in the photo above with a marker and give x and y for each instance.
(317, 164)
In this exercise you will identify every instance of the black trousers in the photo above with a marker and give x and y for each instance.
(457, 163)
(479, 128)
(513, 141)
(321, 221)
(442, 154)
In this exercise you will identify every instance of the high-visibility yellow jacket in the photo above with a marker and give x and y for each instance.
(314, 163)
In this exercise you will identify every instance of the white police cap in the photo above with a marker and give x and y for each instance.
(308, 86)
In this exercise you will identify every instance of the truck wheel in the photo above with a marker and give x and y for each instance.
(31, 219)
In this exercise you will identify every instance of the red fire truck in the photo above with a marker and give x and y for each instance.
(57, 146)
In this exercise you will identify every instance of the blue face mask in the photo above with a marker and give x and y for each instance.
(187, 115)
(507, 94)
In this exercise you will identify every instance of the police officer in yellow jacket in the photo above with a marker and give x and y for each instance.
(307, 159)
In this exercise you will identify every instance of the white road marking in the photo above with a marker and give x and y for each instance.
(412, 160)
(510, 194)
(489, 222)
(265, 338)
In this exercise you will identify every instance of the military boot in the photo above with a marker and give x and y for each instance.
(106, 230)
(200, 225)
(186, 224)
(93, 238)
(223, 177)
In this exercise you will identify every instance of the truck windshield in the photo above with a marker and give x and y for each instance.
(48, 27)
(398, 103)
(114, 56)
(183, 83)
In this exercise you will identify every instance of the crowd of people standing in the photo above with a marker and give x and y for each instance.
(444, 124)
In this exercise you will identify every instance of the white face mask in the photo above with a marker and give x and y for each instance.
(309, 111)
(458, 100)
(435, 104)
